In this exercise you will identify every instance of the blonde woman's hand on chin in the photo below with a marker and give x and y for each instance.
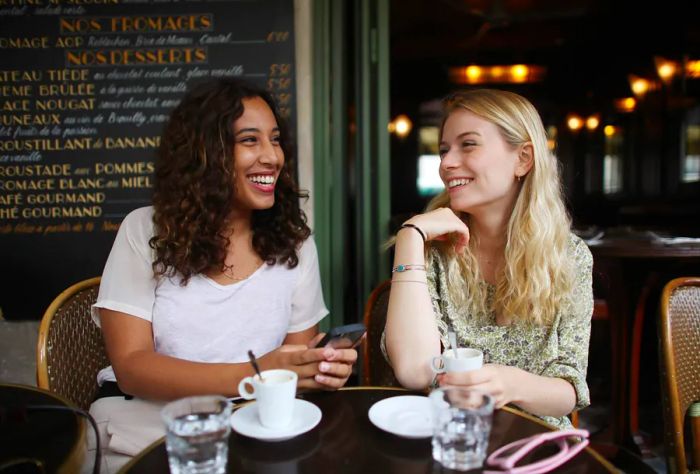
(323, 368)
(439, 223)
(494, 379)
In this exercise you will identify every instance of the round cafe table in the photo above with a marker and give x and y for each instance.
(346, 441)
(38, 439)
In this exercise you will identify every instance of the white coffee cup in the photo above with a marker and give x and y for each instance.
(466, 360)
(275, 396)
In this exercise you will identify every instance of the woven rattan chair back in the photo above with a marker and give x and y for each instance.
(680, 365)
(70, 349)
(375, 369)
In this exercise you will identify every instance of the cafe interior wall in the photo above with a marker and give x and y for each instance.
(589, 49)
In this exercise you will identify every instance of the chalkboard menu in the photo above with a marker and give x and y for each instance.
(86, 87)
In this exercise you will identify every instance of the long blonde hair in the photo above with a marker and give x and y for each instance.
(537, 276)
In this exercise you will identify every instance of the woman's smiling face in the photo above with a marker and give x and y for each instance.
(477, 165)
(257, 156)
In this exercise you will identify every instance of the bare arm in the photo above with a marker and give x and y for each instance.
(412, 337)
(537, 394)
(544, 396)
(144, 373)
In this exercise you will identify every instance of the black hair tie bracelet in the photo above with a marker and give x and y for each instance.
(418, 229)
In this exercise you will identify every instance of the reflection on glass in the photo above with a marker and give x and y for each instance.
(428, 140)
(612, 162)
(690, 171)
(428, 182)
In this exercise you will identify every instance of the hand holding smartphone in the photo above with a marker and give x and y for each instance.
(343, 337)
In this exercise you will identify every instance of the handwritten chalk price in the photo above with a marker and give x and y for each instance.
(283, 98)
(279, 70)
(279, 84)
(277, 36)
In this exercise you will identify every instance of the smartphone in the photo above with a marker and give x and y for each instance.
(343, 337)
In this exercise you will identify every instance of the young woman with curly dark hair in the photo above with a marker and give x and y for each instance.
(222, 263)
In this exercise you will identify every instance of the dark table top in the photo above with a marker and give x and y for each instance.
(346, 441)
(619, 247)
(53, 438)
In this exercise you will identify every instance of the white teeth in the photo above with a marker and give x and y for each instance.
(458, 182)
(262, 179)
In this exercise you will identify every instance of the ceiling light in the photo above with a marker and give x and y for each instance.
(609, 130)
(640, 86)
(574, 122)
(592, 122)
(401, 126)
(504, 74)
(473, 73)
(692, 69)
(625, 105)
(665, 68)
(519, 73)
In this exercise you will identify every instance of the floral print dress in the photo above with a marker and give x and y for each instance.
(559, 350)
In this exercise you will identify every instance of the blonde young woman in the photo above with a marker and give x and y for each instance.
(493, 259)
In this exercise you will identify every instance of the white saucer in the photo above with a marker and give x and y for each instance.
(409, 416)
(246, 422)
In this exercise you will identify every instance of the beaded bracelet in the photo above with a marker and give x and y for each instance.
(406, 267)
(418, 229)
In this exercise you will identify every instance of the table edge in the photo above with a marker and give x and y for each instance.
(514, 411)
(76, 456)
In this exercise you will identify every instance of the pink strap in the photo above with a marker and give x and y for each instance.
(526, 445)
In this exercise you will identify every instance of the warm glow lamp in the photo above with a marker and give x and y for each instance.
(508, 74)
(401, 126)
(519, 72)
(574, 122)
(666, 68)
(592, 122)
(609, 130)
(639, 85)
(473, 74)
(692, 69)
(625, 104)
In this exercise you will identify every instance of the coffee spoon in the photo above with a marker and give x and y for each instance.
(453, 341)
(254, 363)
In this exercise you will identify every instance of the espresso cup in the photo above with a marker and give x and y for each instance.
(467, 359)
(275, 395)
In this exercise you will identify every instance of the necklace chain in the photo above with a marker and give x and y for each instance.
(228, 272)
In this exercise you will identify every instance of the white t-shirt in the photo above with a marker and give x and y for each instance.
(205, 321)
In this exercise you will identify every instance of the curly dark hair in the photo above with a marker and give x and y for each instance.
(193, 193)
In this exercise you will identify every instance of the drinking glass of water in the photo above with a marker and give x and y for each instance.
(197, 431)
(461, 426)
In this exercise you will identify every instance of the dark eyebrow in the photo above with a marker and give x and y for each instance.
(247, 130)
(253, 130)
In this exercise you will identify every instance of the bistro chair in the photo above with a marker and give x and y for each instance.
(680, 369)
(375, 369)
(70, 349)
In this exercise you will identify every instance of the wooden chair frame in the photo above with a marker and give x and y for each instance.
(677, 412)
(371, 301)
(42, 349)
